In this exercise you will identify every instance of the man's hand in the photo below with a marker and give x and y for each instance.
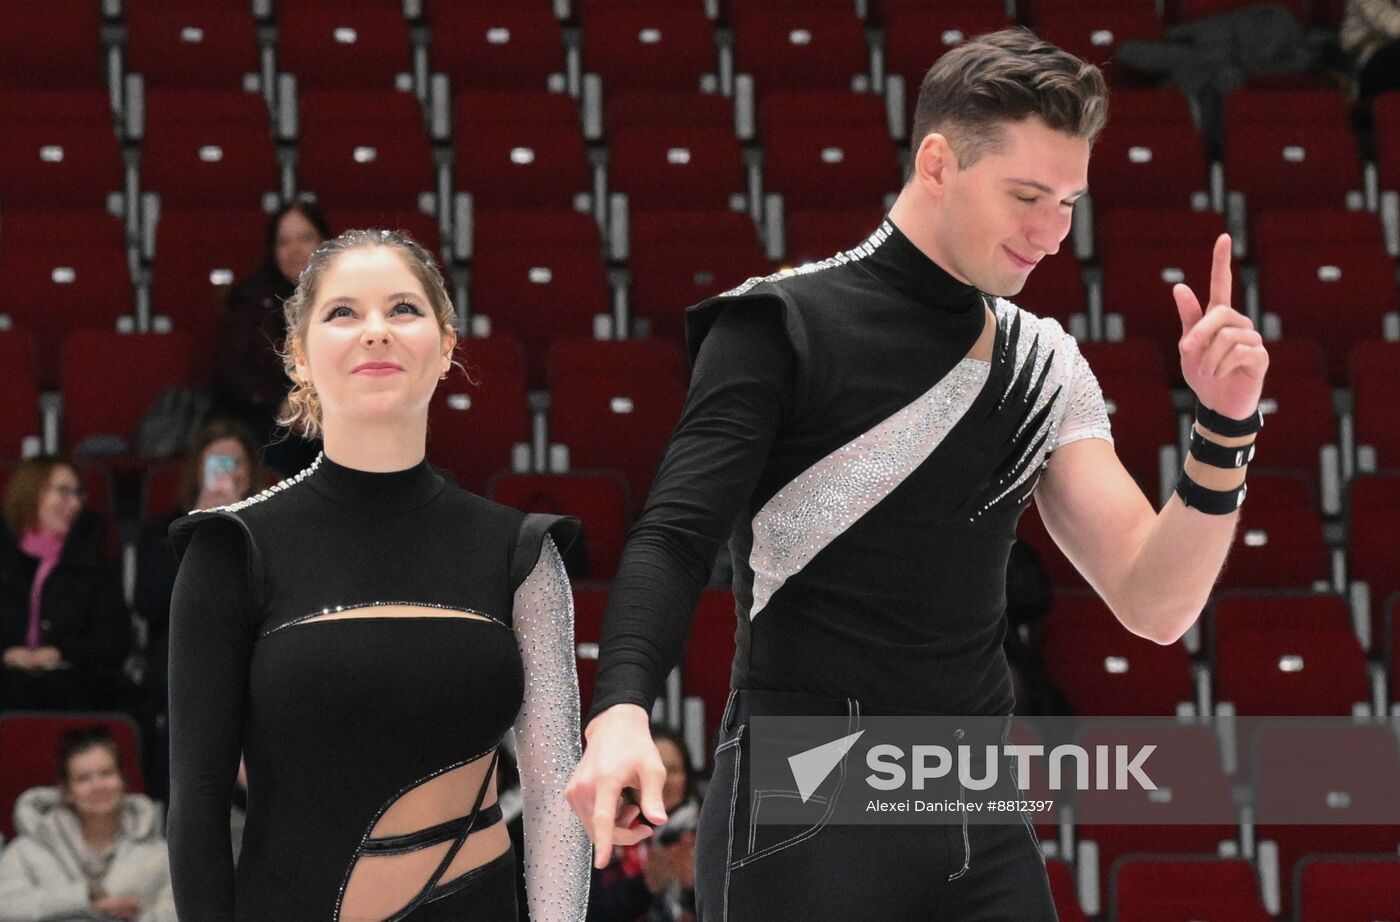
(619, 753)
(1222, 356)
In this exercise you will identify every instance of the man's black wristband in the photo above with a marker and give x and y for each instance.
(1212, 502)
(1217, 455)
(1225, 426)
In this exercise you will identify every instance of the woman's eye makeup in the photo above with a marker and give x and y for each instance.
(410, 306)
(343, 310)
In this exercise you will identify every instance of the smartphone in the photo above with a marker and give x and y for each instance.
(218, 472)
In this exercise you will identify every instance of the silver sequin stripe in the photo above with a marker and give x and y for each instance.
(336, 609)
(558, 855)
(271, 491)
(861, 251)
(827, 498)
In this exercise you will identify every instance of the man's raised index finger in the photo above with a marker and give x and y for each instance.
(1221, 278)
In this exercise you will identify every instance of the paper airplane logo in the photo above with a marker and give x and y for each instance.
(810, 768)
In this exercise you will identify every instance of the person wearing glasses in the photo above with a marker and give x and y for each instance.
(64, 627)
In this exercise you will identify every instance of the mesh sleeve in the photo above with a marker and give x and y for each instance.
(1086, 413)
(557, 850)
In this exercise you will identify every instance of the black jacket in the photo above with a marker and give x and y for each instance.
(82, 611)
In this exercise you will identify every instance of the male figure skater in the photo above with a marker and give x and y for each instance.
(867, 431)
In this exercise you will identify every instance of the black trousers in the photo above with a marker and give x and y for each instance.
(761, 872)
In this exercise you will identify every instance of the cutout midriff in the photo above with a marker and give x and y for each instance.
(982, 349)
(381, 885)
(398, 611)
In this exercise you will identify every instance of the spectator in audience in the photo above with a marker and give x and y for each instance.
(1370, 33)
(64, 626)
(221, 468)
(86, 849)
(654, 880)
(249, 380)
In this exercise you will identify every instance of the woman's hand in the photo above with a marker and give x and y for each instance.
(45, 657)
(117, 907)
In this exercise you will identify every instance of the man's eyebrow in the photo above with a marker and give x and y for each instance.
(1042, 187)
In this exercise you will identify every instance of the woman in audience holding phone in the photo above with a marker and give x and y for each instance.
(364, 634)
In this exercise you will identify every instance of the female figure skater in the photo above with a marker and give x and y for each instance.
(364, 634)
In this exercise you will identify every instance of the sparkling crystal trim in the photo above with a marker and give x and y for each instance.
(336, 609)
(858, 252)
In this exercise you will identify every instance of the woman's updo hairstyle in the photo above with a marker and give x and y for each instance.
(304, 412)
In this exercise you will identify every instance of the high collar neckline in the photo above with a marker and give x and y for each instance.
(381, 490)
(893, 258)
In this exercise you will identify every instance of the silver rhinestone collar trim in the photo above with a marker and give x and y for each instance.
(270, 491)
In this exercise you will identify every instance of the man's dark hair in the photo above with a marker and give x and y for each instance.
(1007, 76)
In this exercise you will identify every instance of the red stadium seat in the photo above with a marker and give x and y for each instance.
(53, 290)
(1055, 288)
(1298, 411)
(680, 258)
(474, 423)
(190, 44)
(1141, 416)
(540, 294)
(815, 232)
(60, 150)
(599, 499)
(62, 227)
(1137, 286)
(1096, 34)
(666, 109)
(807, 48)
(1373, 554)
(1307, 163)
(916, 37)
(30, 742)
(497, 45)
(1354, 888)
(53, 44)
(649, 46)
(1116, 358)
(519, 149)
(1335, 292)
(1104, 670)
(1288, 655)
(1187, 764)
(207, 148)
(709, 656)
(530, 227)
(101, 395)
(364, 149)
(19, 412)
(1279, 542)
(1062, 890)
(614, 404)
(1147, 165)
(1279, 228)
(1374, 367)
(1126, 228)
(1150, 890)
(829, 149)
(1331, 784)
(677, 167)
(1324, 108)
(188, 287)
(347, 44)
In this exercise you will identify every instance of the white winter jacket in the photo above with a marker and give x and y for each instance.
(41, 877)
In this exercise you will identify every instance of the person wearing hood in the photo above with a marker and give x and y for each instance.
(86, 849)
(64, 627)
